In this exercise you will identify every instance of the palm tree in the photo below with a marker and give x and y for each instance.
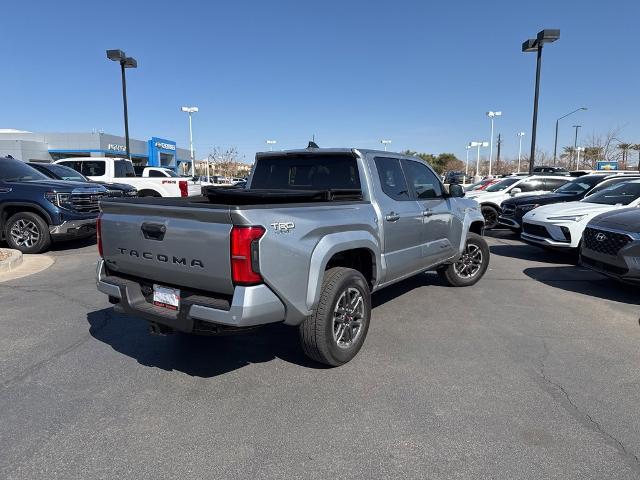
(625, 149)
(636, 147)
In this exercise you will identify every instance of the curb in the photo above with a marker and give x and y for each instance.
(13, 261)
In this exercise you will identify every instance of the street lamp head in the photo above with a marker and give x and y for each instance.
(189, 109)
(130, 62)
(494, 114)
(548, 35)
(485, 144)
(468, 147)
(271, 142)
(520, 134)
(530, 45)
(385, 142)
(116, 55)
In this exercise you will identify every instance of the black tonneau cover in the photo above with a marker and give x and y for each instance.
(240, 196)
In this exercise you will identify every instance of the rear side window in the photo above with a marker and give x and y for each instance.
(123, 168)
(93, 168)
(425, 184)
(306, 172)
(392, 179)
(156, 173)
(530, 185)
(554, 183)
(76, 165)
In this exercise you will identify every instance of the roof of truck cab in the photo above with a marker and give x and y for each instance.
(308, 151)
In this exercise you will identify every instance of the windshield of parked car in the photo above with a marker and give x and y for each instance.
(306, 172)
(17, 171)
(65, 173)
(502, 184)
(579, 185)
(620, 194)
(171, 173)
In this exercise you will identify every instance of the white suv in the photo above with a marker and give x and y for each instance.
(492, 197)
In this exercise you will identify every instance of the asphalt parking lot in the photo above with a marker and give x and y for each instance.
(532, 373)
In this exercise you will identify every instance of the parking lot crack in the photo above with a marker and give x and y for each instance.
(560, 394)
(60, 353)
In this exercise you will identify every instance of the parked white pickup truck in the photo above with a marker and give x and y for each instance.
(155, 181)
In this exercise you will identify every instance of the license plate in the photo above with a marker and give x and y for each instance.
(166, 297)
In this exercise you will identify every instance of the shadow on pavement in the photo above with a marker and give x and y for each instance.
(535, 254)
(73, 244)
(584, 281)
(198, 356)
(209, 356)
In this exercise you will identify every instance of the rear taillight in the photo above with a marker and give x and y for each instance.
(184, 188)
(245, 269)
(99, 234)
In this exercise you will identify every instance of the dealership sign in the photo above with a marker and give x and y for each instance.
(165, 146)
(116, 148)
(607, 165)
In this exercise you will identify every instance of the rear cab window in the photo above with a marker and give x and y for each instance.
(306, 172)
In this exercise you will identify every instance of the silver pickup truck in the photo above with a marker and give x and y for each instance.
(313, 234)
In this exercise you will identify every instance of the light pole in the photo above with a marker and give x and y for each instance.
(520, 135)
(492, 115)
(385, 143)
(575, 140)
(125, 62)
(535, 45)
(478, 145)
(578, 150)
(271, 143)
(555, 142)
(466, 170)
(191, 110)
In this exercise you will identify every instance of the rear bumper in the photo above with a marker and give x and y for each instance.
(249, 306)
(74, 228)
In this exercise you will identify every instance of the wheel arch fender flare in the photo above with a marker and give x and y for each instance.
(472, 216)
(29, 205)
(327, 247)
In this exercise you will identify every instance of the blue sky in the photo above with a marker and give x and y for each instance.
(421, 73)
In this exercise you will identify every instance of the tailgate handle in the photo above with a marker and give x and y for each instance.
(153, 231)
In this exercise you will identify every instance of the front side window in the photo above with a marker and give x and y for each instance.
(18, 171)
(425, 184)
(93, 168)
(392, 179)
(75, 164)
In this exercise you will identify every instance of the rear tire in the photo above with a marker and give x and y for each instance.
(490, 215)
(27, 232)
(335, 331)
(471, 266)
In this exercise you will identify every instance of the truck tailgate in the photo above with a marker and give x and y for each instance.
(181, 246)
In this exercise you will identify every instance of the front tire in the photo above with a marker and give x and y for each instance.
(27, 232)
(334, 333)
(471, 266)
(490, 215)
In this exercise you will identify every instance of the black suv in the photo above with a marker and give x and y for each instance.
(60, 172)
(513, 209)
(35, 210)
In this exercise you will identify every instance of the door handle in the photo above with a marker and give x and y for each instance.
(427, 213)
(392, 217)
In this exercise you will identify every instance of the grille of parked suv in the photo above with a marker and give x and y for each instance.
(86, 202)
(537, 230)
(603, 241)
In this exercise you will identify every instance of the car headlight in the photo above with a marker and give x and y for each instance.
(62, 200)
(530, 206)
(568, 218)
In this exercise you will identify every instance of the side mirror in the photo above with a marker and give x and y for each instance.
(456, 190)
(515, 191)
